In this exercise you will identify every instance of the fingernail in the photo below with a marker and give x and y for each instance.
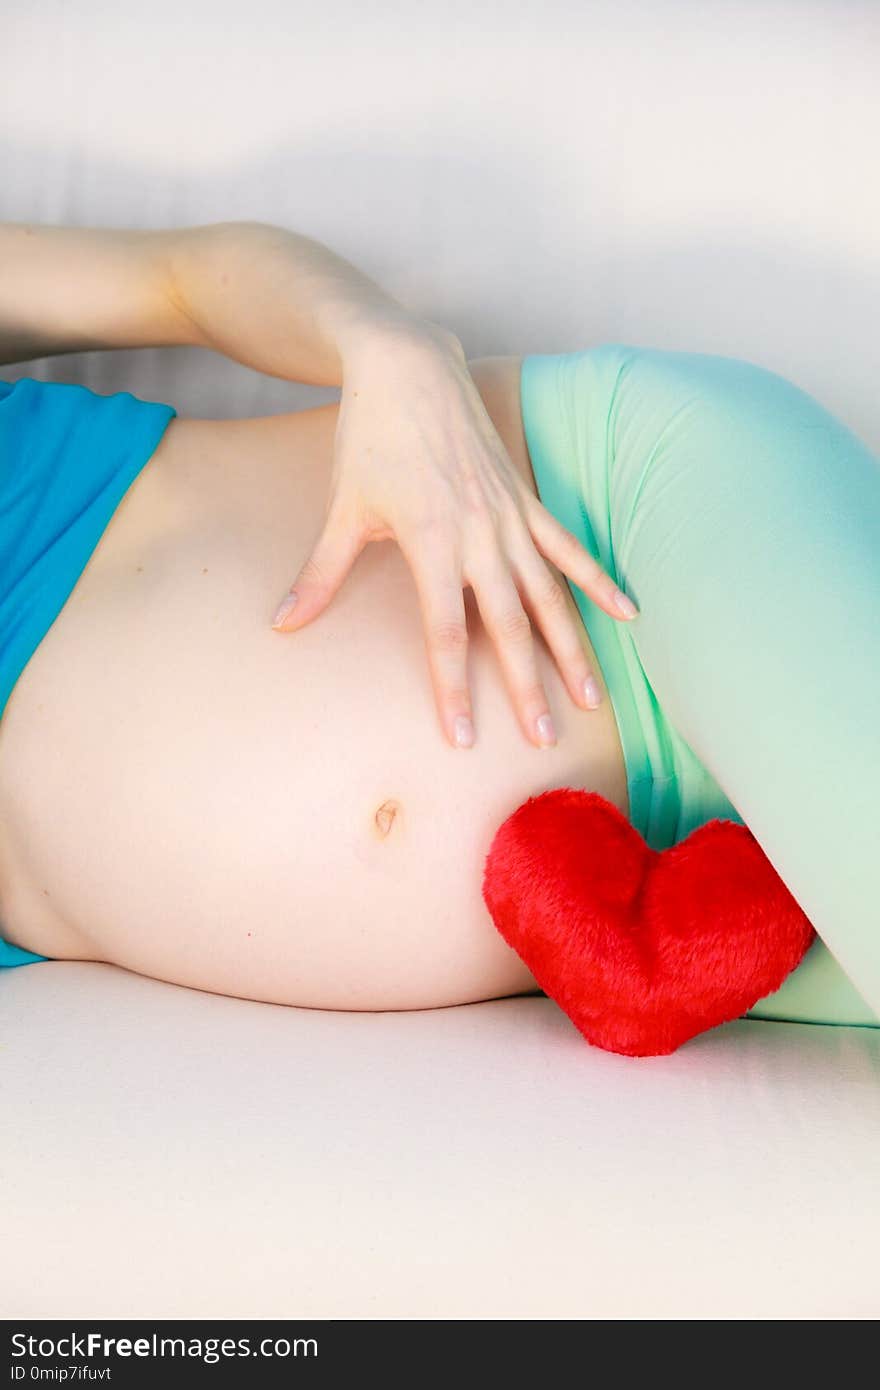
(625, 605)
(592, 693)
(285, 607)
(464, 731)
(546, 732)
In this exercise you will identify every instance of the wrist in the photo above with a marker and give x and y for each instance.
(393, 330)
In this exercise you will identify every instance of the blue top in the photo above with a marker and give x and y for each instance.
(67, 458)
(14, 955)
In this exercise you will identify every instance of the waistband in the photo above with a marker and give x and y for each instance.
(566, 401)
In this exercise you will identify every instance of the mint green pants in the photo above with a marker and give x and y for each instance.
(744, 521)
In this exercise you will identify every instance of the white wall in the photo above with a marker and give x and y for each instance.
(540, 177)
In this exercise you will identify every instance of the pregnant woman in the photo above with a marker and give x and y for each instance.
(273, 811)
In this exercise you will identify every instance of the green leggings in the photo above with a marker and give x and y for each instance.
(744, 521)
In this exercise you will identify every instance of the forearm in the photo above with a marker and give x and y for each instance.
(272, 299)
(280, 302)
(76, 289)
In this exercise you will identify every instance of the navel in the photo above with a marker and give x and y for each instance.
(385, 817)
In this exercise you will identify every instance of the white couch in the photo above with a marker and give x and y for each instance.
(170, 1153)
(539, 180)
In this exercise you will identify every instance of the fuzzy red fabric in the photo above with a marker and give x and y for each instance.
(641, 948)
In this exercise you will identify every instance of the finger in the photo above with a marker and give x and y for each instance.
(565, 550)
(333, 555)
(507, 623)
(439, 584)
(551, 608)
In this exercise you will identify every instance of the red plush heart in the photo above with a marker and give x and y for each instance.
(641, 948)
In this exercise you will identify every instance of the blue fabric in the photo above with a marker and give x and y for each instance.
(67, 457)
(15, 955)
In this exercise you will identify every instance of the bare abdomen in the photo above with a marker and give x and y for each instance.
(193, 796)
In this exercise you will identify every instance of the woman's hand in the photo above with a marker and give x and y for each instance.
(418, 460)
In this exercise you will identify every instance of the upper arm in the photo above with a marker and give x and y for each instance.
(76, 289)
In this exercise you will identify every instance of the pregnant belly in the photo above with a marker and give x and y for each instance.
(193, 796)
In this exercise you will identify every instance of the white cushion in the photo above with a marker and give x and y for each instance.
(169, 1153)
